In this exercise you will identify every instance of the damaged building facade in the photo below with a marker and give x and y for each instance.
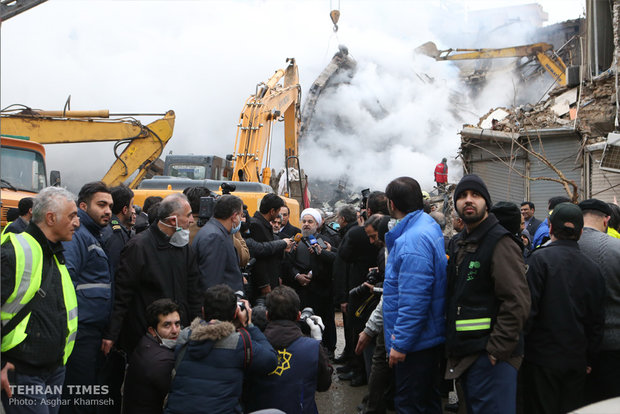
(566, 144)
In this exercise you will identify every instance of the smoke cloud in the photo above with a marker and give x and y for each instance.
(204, 58)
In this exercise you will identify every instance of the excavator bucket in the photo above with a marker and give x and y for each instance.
(428, 49)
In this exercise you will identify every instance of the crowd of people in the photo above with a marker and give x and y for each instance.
(178, 308)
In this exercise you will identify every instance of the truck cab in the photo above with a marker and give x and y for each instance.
(197, 167)
(22, 174)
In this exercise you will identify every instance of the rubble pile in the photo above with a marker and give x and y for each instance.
(594, 110)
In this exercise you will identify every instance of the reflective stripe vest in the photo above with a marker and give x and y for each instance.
(4, 234)
(28, 269)
(441, 173)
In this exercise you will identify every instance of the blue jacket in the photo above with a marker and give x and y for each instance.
(89, 268)
(414, 289)
(542, 233)
(217, 258)
(210, 375)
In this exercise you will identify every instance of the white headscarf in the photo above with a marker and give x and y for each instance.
(314, 213)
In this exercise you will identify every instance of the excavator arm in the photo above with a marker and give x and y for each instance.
(543, 52)
(270, 103)
(145, 143)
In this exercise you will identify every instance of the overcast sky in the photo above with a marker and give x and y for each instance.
(204, 58)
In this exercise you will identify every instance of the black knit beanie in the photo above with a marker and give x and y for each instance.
(474, 183)
(509, 216)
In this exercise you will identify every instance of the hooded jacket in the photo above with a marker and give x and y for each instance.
(209, 377)
(414, 289)
(303, 369)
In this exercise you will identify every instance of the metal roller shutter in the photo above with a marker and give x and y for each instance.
(503, 182)
(562, 152)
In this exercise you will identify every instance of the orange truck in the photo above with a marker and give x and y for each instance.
(23, 171)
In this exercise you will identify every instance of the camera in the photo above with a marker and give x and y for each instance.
(207, 206)
(306, 313)
(240, 295)
(373, 277)
(227, 188)
(365, 194)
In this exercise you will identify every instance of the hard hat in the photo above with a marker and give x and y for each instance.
(426, 195)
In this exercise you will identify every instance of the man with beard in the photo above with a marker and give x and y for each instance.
(91, 274)
(266, 270)
(414, 294)
(309, 272)
(488, 304)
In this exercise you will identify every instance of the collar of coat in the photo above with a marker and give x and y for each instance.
(211, 331)
(263, 221)
(401, 227)
(89, 224)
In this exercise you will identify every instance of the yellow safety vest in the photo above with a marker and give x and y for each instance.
(4, 235)
(28, 269)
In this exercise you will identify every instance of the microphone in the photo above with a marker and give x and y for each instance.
(297, 238)
(313, 243)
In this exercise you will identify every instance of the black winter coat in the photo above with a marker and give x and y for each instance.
(148, 377)
(359, 255)
(151, 268)
(565, 327)
(266, 271)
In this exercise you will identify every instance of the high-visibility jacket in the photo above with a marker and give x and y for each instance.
(4, 235)
(441, 173)
(28, 277)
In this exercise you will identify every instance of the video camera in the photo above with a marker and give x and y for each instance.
(365, 194)
(207, 206)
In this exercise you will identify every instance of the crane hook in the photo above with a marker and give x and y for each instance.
(335, 15)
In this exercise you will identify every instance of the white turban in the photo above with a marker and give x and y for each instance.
(314, 213)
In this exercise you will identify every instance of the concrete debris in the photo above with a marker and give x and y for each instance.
(498, 114)
(592, 113)
(562, 103)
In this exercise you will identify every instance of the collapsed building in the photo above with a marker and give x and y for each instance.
(568, 142)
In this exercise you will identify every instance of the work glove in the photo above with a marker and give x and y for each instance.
(316, 327)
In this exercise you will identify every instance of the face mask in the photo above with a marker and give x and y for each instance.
(392, 223)
(168, 343)
(236, 228)
(180, 237)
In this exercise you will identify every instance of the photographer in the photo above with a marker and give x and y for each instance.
(213, 357)
(371, 342)
(215, 252)
(308, 271)
(303, 365)
(359, 255)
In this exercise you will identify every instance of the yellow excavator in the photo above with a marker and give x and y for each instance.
(144, 143)
(276, 100)
(272, 102)
(23, 130)
(543, 52)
